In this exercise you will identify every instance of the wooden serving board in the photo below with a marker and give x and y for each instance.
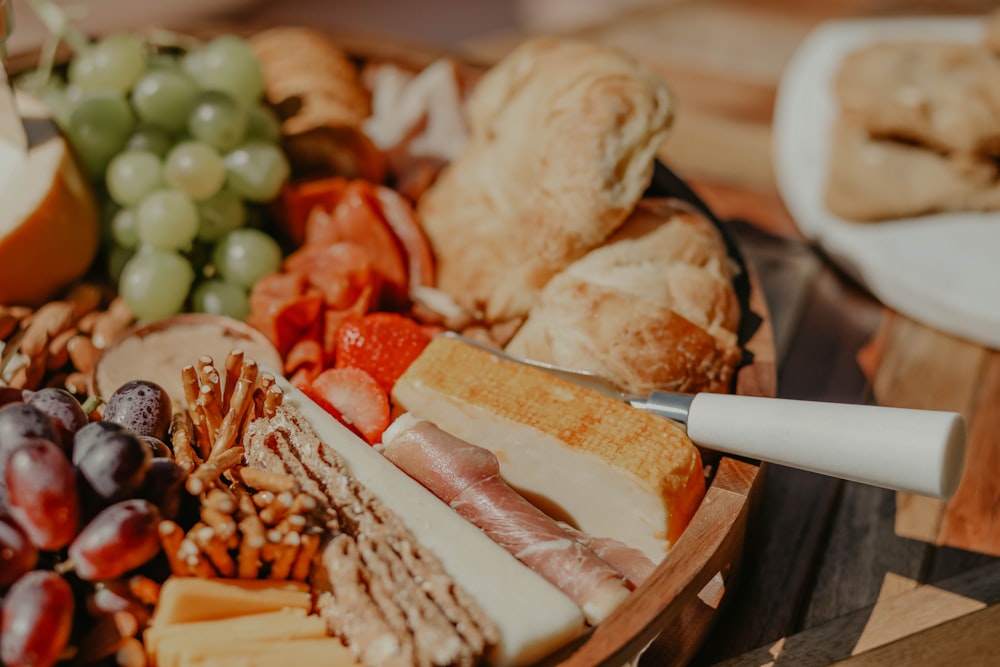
(669, 616)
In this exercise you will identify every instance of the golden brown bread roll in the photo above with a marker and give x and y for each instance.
(318, 93)
(562, 140)
(653, 308)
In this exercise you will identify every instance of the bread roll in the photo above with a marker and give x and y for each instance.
(654, 308)
(562, 140)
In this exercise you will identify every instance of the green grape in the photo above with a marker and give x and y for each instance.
(98, 129)
(243, 256)
(125, 228)
(218, 120)
(162, 60)
(118, 257)
(218, 297)
(263, 123)
(165, 97)
(53, 95)
(112, 64)
(151, 138)
(155, 283)
(227, 63)
(167, 219)
(196, 169)
(220, 214)
(257, 170)
(131, 175)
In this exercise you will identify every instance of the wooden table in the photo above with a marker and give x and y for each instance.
(834, 572)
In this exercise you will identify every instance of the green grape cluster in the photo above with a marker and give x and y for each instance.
(184, 146)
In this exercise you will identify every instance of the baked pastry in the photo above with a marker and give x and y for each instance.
(945, 96)
(562, 140)
(993, 32)
(317, 91)
(878, 179)
(653, 308)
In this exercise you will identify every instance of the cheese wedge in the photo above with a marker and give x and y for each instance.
(165, 644)
(327, 652)
(189, 599)
(603, 466)
(534, 618)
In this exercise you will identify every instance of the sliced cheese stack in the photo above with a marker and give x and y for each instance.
(607, 468)
(533, 617)
(209, 622)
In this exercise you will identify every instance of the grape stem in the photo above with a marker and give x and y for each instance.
(58, 23)
(64, 566)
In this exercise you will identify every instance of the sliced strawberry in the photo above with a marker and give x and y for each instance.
(382, 344)
(355, 398)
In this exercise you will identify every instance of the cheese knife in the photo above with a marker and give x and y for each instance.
(919, 451)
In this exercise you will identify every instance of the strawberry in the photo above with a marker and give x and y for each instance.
(382, 344)
(355, 398)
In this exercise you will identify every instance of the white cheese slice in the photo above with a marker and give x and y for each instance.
(533, 616)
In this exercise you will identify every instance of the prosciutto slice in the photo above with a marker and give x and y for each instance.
(467, 477)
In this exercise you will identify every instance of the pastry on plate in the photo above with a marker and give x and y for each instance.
(653, 308)
(563, 136)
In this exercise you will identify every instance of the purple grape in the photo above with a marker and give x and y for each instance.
(36, 621)
(20, 422)
(164, 486)
(17, 554)
(43, 501)
(114, 596)
(92, 434)
(12, 395)
(142, 407)
(115, 467)
(157, 446)
(63, 409)
(120, 538)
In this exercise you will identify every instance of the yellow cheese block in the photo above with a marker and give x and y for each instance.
(165, 644)
(188, 599)
(608, 468)
(326, 652)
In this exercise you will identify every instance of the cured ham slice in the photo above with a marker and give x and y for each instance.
(634, 565)
(467, 477)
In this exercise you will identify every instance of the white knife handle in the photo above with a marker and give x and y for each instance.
(920, 451)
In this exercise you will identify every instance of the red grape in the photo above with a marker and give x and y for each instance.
(120, 538)
(63, 409)
(114, 596)
(17, 554)
(41, 486)
(36, 621)
(142, 407)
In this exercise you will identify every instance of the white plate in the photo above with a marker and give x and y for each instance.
(942, 270)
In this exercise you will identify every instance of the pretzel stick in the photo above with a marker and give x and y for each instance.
(275, 510)
(234, 370)
(262, 499)
(171, 536)
(209, 377)
(286, 552)
(189, 378)
(220, 500)
(303, 560)
(229, 429)
(250, 371)
(223, 524)
(265, 480)
(272, 399)
(248, 561)
(181, 433)
(208, 472)
(266, 382)
(191, 554)
(210, 404)
(212, 546)
(144, 589)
